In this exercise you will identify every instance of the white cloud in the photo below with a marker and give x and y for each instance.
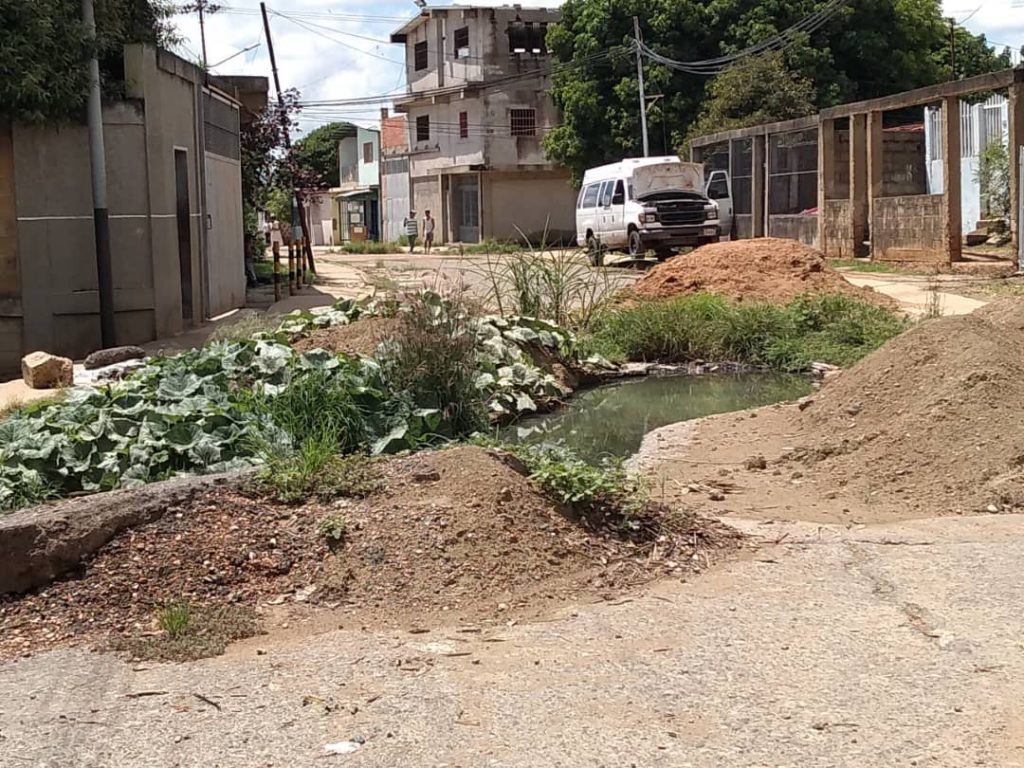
(1001, 21)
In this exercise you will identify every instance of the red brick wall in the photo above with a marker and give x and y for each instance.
(393, 133)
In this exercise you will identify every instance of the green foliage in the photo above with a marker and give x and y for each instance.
(199, 631)
(45, 49)
(856, 265)
(371, 247)
(993, 176)
(833, 329)
(279, 204)
(896, 46)
(333, 529)
(317, 151)
(315, 469)
(174, 619)
(760, 89)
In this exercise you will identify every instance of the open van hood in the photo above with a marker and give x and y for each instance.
(670, 176)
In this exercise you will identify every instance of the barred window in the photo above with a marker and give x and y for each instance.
(527, 37)
(421, 56)
(463, 125)
(423, 128)
(524, 122)
(462, 43)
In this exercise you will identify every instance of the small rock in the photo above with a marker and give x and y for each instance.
(854, 408)
(992, 508)
(104, 357)
(804, 403)
(716, 495)
(426, 475)
(41, 370)
(505, 495)
(502, 606)
(756, 462)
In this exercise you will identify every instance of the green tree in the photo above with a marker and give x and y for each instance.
(993, 176)
(44, 51)
(760, 89)
(867, 48)
(317, 151)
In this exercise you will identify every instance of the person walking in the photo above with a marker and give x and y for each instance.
(411, 230)
(428, 231)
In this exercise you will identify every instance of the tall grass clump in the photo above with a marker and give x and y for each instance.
(432, 359)
(833, 329)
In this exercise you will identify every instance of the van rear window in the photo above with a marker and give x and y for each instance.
(589, 198)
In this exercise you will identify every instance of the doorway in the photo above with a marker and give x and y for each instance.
(466, 201)
(184, 217)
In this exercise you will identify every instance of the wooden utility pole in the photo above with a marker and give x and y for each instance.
(304, 245)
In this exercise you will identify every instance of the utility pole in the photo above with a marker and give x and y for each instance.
(202, 7)
(100, 213)
(296, 197)
(640, 78)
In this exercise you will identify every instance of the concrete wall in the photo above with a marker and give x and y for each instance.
(56, 237)
(530, 204)
(369, 173)
(908, 229)
(426, 196)
(743, 226)
(396, 198)
(795, 227)
(838, 230)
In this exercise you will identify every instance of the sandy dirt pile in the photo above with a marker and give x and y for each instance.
(766, 269)
(457, 535)
(928, 425)
(358, 338)
(932, 419)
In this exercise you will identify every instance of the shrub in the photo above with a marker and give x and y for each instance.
(174, 619)
(333, 529)
(315, 469)
(834, 329)
(432, 357)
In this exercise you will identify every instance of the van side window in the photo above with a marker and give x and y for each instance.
(606, 193)
(590, 196)
(620, 193)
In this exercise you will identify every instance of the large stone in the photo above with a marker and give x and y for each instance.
(105, 357)
(41, 370)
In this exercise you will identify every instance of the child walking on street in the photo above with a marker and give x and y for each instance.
(428, 231)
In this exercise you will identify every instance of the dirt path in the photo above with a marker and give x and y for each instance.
(914, 292)
(895, 645)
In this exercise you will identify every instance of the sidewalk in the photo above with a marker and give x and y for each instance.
(914, 292)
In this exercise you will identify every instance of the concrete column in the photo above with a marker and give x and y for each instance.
(951, 227)
(859, 209)
(1016, 132)
(757, 185)
(826, 175)
(875, 170)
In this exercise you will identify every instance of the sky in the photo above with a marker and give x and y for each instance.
(339, 49)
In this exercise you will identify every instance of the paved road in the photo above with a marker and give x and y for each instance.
(886, 646)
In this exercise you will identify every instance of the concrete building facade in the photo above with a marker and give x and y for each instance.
(395, 185)
(845, 182)
(356, 210)
(174, 187)
(477, 110)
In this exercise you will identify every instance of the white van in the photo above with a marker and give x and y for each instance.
(641, 204)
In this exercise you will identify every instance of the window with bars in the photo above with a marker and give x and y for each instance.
(524, 122)
(527, 37)
(368, 152)
(423, 128)
(462, 43)
(420, 56)
(463, 125)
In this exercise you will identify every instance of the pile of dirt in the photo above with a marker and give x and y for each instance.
(928, 425)
(457, 535)
(358, 338)
(764, 269)
(932, 419)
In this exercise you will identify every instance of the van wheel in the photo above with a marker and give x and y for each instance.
(593, 250)
(636, 244)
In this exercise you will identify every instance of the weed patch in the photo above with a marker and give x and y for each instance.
(833, 329)
(190, 632)
(316, 470)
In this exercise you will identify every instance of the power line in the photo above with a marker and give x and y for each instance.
(310, 28)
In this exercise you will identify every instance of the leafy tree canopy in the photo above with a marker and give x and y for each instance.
(317, 151)
(44, 51)
(867, 48)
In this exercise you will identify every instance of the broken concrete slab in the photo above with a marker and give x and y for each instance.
(41, 370)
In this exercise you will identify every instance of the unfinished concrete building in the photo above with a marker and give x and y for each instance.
(478, 107)
(855, 180)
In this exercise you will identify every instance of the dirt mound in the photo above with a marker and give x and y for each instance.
(765, 269)
(928, 425)
(932, 419)
(457, 535)
(358, 338)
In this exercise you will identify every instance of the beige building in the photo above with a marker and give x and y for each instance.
(175, 197)
(477, 108)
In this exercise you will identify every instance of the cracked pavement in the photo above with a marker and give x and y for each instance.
(887, 645)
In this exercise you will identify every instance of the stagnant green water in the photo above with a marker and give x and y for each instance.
(613, 419)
